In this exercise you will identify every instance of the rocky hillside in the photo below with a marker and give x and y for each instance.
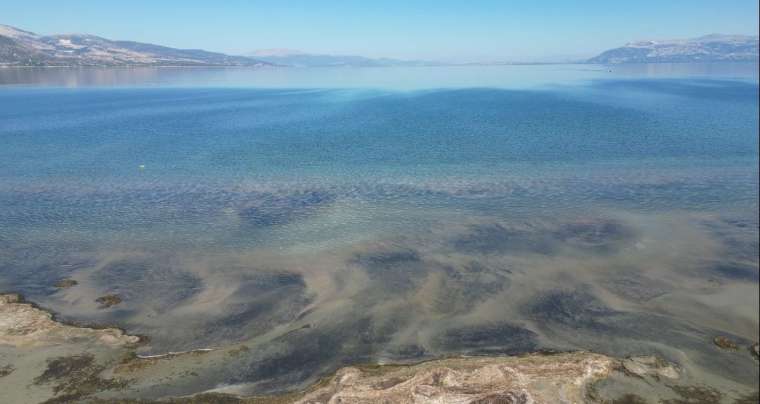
(710, 48)
(23, 48)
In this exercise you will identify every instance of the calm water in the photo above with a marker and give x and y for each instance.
(397, 78)
(400, 213)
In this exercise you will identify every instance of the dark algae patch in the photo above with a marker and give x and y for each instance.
(270, 209)
(498, 338)
(108, 301)
(494, 238)
(737, 271)
(725, 343)
(64, 366)
(155, 283)
(695, 395)
(66, 283)
(636, 288)
(262, 300)
(511, 397)
(75, 377)
(571, 308)
(596, 236)
(629, 398)
(752, 398)
(398, 270)
(6, 370)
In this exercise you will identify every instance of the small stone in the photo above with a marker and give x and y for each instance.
(650, 366)
(6, 370)
(724, 343)
(108, 301)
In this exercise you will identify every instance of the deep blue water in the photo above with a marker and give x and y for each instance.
(237, 133)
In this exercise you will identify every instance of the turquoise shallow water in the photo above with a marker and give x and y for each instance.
(466, 210)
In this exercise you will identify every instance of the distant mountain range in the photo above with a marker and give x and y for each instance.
(23, 48)
(709, 48)
(289, 57)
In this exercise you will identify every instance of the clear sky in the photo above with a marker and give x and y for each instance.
(474, 30)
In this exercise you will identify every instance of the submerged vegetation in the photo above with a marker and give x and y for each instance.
(284, 245)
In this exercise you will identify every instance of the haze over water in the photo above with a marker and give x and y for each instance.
(387, 78)
(335, 216)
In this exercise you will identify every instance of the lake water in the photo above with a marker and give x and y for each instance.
(396, 78)
(336, 216)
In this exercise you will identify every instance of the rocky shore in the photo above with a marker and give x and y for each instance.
(43, 360)
(526, 379)
(24, 325)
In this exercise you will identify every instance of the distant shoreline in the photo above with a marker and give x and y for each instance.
(269, 67)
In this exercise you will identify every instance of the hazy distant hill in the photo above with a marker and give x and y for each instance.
(295, 58)
(709, 48)
(23, 48)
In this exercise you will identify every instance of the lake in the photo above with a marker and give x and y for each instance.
(337, 216)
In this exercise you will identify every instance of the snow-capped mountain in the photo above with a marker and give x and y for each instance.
(709, 48)
(289, 57)
(23, 48)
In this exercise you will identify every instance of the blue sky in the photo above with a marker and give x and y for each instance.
(476, 30)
